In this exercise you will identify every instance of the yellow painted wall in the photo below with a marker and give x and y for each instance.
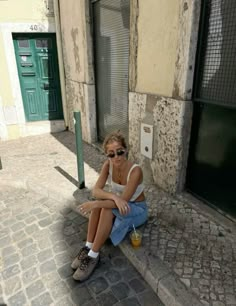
(13, 131)
(157, 46)
(23, 10)
(5, 86)
(15, 11)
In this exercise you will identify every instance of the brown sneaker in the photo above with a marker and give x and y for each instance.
(86, 268)
(81, 255)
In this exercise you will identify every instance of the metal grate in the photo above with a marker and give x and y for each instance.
(216, 76)
(111, 29)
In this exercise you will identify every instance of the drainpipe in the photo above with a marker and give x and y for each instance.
(60, 59)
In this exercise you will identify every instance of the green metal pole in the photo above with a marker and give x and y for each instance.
(79, 149)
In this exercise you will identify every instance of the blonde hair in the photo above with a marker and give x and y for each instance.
(114, 136)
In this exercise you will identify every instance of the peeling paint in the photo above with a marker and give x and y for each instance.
(78, 64)
(134, 10)
(185, 6)
(186, 50)
(194, 28)
(65, 56)
(45, 8)
(151, 103)
(176, 92)
(74, 35)
(88, 42)
(75, 100)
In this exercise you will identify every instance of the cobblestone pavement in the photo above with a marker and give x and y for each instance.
(201, 251)
(189, 250)
(39, 237)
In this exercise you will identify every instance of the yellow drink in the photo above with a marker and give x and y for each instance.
(136, 239)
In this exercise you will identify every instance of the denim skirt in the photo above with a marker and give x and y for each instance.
(123, 224)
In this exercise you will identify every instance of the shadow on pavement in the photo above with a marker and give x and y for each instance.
(92, 156)
(67, 176)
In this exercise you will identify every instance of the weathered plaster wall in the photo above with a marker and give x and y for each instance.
(171, 120)
(72, 35)
(162, 62)
(161, 72)
(26, 10)
(157, 43)
(163, 38)
(5, 84)
(77, 53)
(133, 48)
(188, 23)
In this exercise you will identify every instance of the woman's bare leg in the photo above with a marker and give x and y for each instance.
(93, 224)
(103, 228)
(103, 218)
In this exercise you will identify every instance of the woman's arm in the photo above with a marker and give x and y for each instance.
(89, 206)
(136, 178)
(98, 191)
(109, 199)
(113, 200)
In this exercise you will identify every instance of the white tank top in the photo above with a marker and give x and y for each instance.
(118, 189)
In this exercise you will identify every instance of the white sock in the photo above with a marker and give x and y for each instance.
(89, 245)
(93, 254)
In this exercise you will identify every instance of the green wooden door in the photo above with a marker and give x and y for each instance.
(36, 57)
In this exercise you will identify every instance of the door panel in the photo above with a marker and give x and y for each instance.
(212, 160)
(39, 76)
(31, 102)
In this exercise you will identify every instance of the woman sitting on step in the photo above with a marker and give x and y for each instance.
(114, 213)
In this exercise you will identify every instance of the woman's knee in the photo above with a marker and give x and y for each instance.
(107, 212)
(96, 212)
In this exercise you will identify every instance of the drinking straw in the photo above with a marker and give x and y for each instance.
(135, 232)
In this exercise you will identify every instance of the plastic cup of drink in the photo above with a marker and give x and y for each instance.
(136, 238)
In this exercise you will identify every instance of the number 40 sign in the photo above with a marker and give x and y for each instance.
(34, 27)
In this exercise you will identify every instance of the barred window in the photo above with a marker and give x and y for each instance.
(217, 67)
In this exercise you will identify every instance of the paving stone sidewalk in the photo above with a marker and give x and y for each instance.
(189, 251)
(39, 237)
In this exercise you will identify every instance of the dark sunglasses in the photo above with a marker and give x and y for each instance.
(118, 152)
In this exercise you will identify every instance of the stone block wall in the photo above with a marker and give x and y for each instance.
(171, 121)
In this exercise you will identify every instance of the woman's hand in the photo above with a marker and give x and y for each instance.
(86, 207)
(122, 205)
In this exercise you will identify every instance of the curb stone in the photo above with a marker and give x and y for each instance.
(164, 282)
